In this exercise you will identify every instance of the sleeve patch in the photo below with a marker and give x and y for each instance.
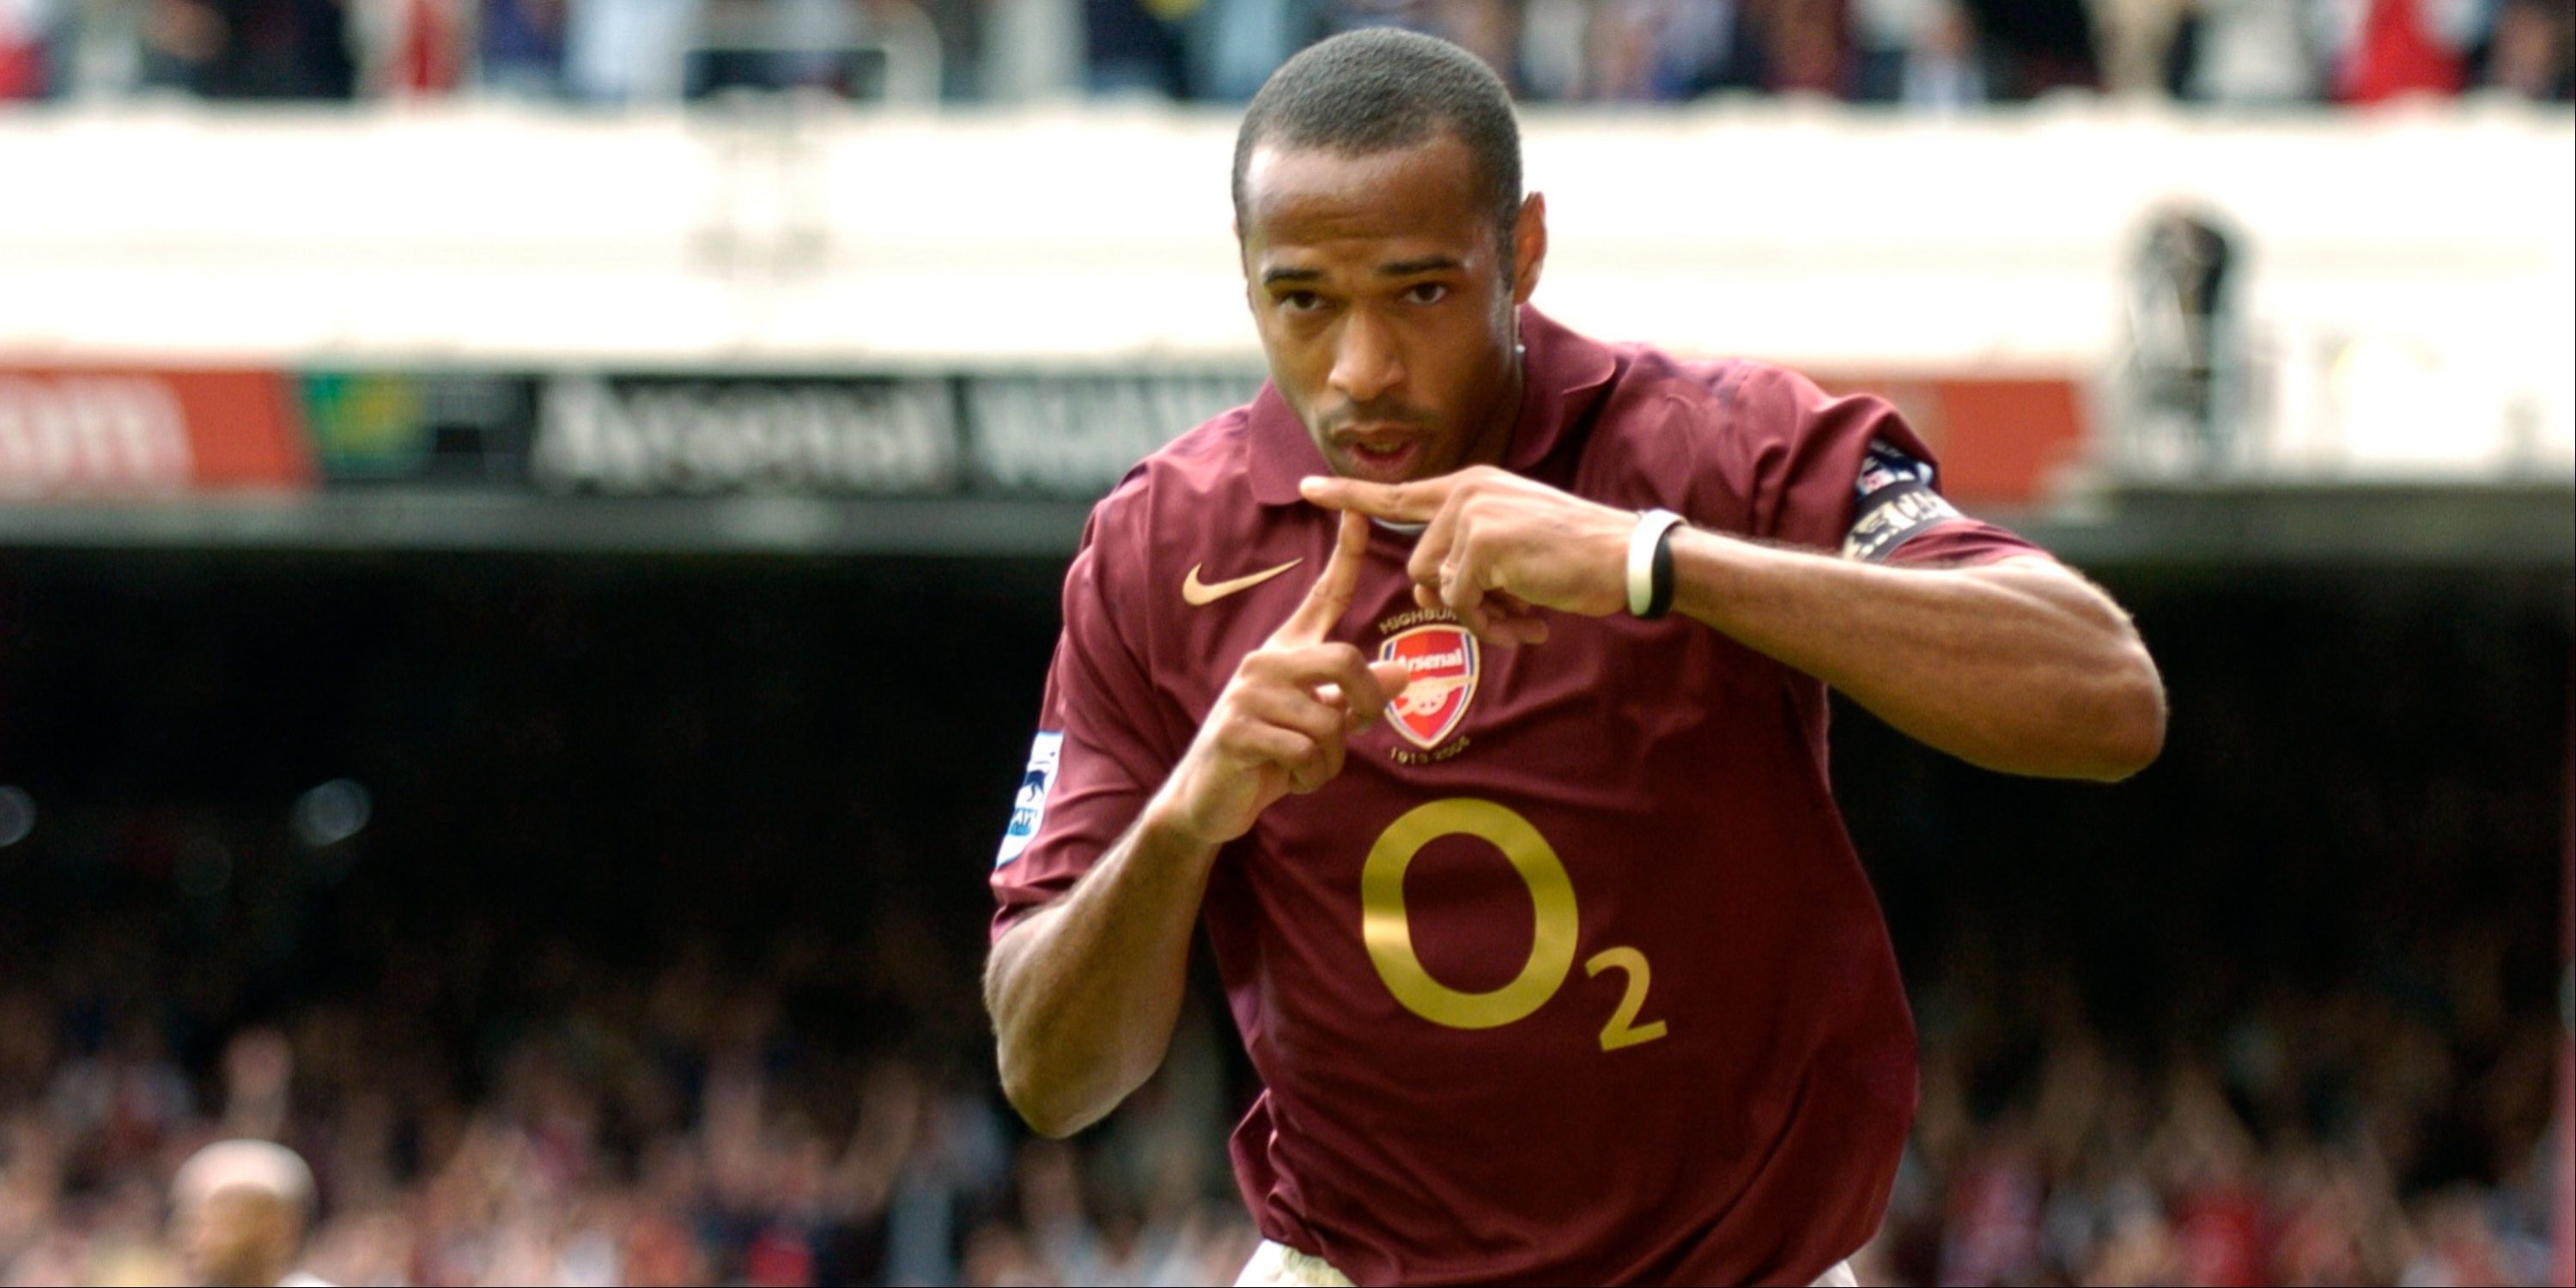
(1028, 811)
(1893, 502)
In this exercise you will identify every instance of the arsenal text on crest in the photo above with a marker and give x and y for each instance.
(1443, 663)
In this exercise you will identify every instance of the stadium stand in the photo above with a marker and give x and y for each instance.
(528, 531)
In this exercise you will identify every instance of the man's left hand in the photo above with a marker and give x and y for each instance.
(1499, 547)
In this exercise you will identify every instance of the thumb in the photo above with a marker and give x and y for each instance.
(1390, 676)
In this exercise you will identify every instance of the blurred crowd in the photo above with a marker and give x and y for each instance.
(2353, 1137)
(485, 1114)
(648, 952)
(1929, 55)
(658, 1129)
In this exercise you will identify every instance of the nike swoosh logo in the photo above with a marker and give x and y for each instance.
(1201, 594)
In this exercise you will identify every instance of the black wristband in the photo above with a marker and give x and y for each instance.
(1660, 600)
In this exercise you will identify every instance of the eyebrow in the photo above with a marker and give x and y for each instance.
(1426, 264)
(1397, 268)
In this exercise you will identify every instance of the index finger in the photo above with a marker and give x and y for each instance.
(1402, 502)
(1331, 594)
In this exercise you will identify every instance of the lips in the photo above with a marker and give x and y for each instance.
(1381, 457)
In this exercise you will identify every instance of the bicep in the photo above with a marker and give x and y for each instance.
(1013, 944)
(1100, 753)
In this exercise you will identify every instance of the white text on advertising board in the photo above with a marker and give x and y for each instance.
(1075, 435)
(91, 435)
(700, 437)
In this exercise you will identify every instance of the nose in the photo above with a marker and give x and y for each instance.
(1365, 362)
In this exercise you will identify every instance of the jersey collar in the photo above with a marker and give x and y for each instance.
(1562, 375)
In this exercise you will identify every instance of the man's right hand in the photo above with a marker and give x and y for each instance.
(1281, 723)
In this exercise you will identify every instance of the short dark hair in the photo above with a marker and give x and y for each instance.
(1383, 88)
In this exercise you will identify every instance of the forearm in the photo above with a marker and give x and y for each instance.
(1084, 994)
(2018, 666)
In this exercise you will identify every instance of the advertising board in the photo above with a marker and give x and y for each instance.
(116, 433)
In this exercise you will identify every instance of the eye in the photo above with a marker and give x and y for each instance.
(1426, 292)
(1301, 301)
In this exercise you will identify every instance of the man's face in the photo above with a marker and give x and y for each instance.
(1384, 295)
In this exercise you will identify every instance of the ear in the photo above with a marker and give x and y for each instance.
(1529, 246)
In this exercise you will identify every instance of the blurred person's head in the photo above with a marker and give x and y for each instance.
(2532, 48)
(1946, 30)
(238, 1212)
(1386, 246)
(259, 1070)
(2141, 1249)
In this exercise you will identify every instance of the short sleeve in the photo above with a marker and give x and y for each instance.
(1847, 474)
(1099, 752)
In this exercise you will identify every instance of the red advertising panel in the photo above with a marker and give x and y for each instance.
(2001, 439)
(106, 432)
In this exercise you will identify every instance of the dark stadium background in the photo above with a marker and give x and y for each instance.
(582, 769)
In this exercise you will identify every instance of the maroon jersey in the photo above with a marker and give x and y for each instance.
(1572, 975)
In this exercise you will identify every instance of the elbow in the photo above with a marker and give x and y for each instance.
(1058, 1083)
(1050, 1106)
(1041, 1112)
(1033, 1091)
(1056, 1093)
(2128, 732)
(2101, 724)
(1040, 1096)
(1058, 1100)
(2120, 757)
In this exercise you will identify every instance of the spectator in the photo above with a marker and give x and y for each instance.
(2252, 53)
(414, 48)
(1943, 70)
(2039, 46)
(240, 1208)
(1236, 44)
(2401, 47)
(1805, 47)
(1932, 55)
(279, 49)
(2135, 39)
(620, 52)
(22, 48)
(179, 41)
(1136, 47)
(2537, 54)
(1922, 54)
(1670, 50)
(521, 50)
(1883, 33)
(2533, 52)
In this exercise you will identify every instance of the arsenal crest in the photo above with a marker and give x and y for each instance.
(1442, 661)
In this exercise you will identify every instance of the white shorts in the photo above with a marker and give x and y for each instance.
(1276, 1265)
